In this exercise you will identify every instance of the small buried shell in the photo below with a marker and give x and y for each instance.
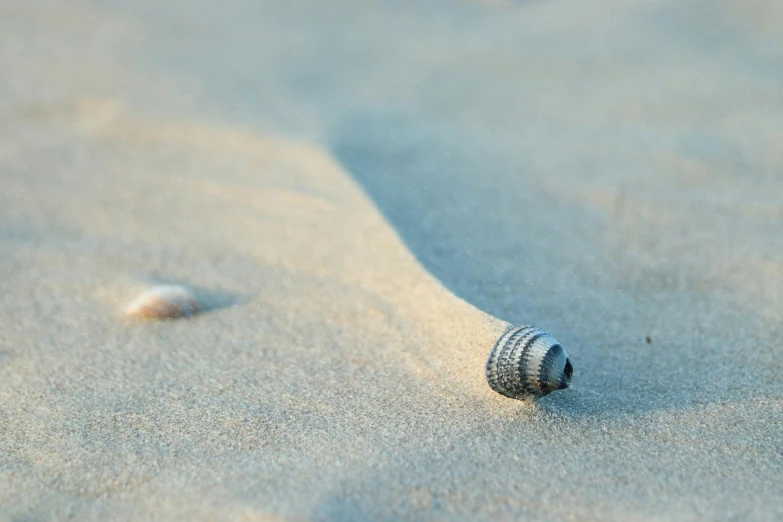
(163, 302)
(528, 362)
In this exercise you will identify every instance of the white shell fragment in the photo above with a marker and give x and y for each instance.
(163, 302)
(528, 362)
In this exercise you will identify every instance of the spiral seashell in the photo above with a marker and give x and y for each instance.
(163, 302)
(528, 362)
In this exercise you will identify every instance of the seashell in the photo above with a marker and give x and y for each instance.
(163, 302)
(528, 362)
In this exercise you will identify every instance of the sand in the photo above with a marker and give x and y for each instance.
(345, 186)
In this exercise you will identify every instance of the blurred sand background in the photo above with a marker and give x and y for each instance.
(609, 171)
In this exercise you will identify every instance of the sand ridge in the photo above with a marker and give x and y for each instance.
(607, 178)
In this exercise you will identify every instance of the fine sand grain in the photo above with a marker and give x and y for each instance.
(327, 178)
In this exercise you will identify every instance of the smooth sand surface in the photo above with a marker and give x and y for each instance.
(329, 177)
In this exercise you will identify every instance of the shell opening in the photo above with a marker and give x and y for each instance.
(568, 371)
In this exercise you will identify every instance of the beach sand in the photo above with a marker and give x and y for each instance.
(345, 186)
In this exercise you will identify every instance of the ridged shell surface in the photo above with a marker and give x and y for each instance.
(528, 362)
